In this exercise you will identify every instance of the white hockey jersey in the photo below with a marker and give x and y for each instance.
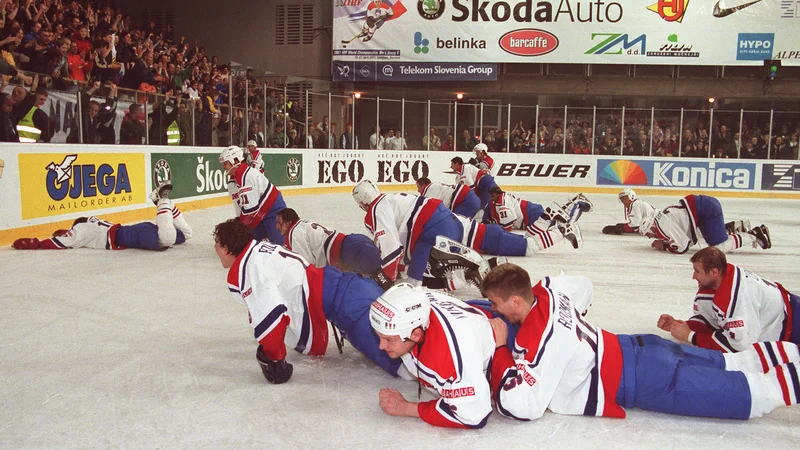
(636, 212)
(283, 294)
(560, 362)
(451, 195)
(744, 310)
(318, 245)
(510, 212)
(473, 232)
(94, 233)
(453, 361)
(396, 221)
(676, 226)
(253, 195)
(469, 175)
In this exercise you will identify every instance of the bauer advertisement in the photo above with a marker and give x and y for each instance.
(696, 32)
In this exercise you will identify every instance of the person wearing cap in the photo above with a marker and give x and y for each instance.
(443, 342)
(290, 302)
(253, 156)
(678, 227)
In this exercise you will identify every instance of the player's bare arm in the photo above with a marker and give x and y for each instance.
(393, 403)
(500, 332)
(665, 322)
(680, 331)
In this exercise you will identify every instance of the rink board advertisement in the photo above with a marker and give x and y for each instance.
(712, 32)
(669, 173)
(196, 174)
(53, 184)
(780, 177)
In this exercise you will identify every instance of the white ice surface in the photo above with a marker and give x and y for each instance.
(139, 349)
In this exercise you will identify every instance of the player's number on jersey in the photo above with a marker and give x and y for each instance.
(266, 247)
(317, 226)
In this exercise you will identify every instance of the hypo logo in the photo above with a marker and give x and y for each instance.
(528, 42)
(420, 43)
(670, 10)
(755, 46)
(790, 9)
(616, 43)
(67, 178)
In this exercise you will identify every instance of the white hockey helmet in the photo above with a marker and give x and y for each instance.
(400, 310)
(480, 147)
(253, 143)
(647, 223)
(365, 192)
(627, 192)
(232, 154)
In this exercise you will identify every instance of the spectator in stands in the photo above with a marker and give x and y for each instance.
(466, 143)
(331, 137)
(204, 124)
(8, 132)
(132, 130)
(165, 129)
(33, 125)
(781, 149)
(449, 144)
(141, 74)
(186, 123)
(347, 141)
(255, 134)
(376, 139)
(278, 137)
(92, 119)
(221, 137)
(435, 141)
(293, 141)
(78, 66)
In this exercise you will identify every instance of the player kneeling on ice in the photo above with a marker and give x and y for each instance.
(458, 198)
(290, 301)
(563, 363)
(446, 344)
(255, 199)
(734, 308)
(636, 210)
(404, 228)
(681, 226)
(511, 213)
(91, 232)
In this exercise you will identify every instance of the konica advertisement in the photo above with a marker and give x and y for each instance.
(671, 173)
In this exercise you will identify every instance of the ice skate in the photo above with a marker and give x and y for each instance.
(162, 191)
(582, 201)
(573, 234)
(761, 233)
(737, 226)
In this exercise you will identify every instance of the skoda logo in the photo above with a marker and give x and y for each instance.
(430, 9)
(293, 169)
(161, 172)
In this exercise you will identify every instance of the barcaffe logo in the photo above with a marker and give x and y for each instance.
(528, 42)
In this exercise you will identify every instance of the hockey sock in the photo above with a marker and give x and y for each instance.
(180, 222)
(761, 357)
(737, 240)
(768, 391)
(165, 222)
(545, 239)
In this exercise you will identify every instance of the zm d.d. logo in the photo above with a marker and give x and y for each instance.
(161, 172)
(293, 169)
(430, 9)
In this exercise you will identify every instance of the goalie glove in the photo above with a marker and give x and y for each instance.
(26, 244)
(276, 372)
(614, 229)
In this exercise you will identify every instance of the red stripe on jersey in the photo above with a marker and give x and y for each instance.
(369, 219)
(782, 352)
(319, 324)
(478, 177)
(254, 219)
(523, 206)
(691, 205)
(334, 251)
(611, 374)
(502, 362)
(784, 387)
(273, 344)
(477, 239)
(288, 240)
(234, 271)
(489, 161)
(764, 365)
(787, 319)
(112, 238)
(724, 294)
(460, 194)
(436, 354)
(536, 324)
(423, 215)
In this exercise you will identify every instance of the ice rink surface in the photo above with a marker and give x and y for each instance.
(138, 349)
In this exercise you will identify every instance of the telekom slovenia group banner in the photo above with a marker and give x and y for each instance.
(452, 37)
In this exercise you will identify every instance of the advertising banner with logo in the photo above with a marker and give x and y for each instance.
(780, 177)
(713, 32)
(52, 184)
(196, 174)
(675, 173)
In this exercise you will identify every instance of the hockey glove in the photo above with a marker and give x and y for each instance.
(383, 281)
(26, 244)
(614, 229)
(276, 372)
